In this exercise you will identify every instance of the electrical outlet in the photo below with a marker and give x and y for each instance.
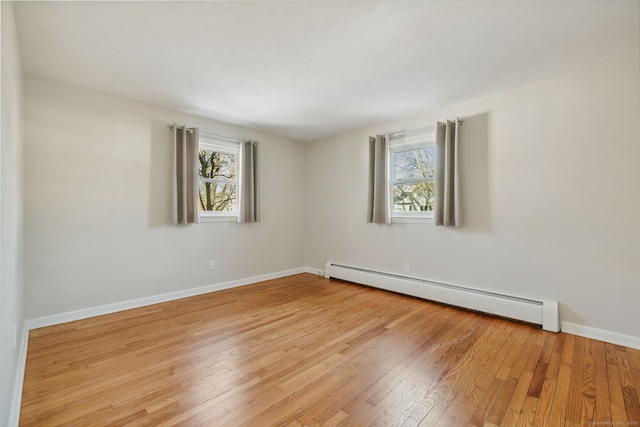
(212, 264)
(407, 267)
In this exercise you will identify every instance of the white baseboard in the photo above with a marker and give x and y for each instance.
(315, 271)
(100, 310)
(601, 335)
(16, 401)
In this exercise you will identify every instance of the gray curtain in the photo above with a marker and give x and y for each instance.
(248, 206)
(184, 209)
(378, 205)
(448, 208)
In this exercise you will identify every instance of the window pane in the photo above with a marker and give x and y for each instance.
(413, 197)
(415, 163)
(216, 165)
(217, 197)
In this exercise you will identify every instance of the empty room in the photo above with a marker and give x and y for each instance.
(317, 213)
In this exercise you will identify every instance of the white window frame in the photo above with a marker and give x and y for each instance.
(220, 144)
(402, 141)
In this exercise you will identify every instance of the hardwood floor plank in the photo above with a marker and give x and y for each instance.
(540, 370)
(588, 384)
(307, 351)
(504, 362)
(406, 402)
(450, 343)
(486, 351)
(484, 406)
(517, 400)
(485, 382)
(528, 413)
(559, 405)
(633, 409)
(528, 354)
(454, 415)
(631, 404)
(574, 400)
(618, 411)
(543, 413)
(603, 403)
(377, 353)
(510, 363)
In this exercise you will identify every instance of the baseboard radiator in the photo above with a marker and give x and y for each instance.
(539, 312)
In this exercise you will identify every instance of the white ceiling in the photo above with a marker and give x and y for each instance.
(306, 70)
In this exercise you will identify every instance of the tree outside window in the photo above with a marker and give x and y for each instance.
(218, 180)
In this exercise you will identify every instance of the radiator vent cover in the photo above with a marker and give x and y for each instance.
(539, 312)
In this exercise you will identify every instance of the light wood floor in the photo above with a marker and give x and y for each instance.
(304, 350)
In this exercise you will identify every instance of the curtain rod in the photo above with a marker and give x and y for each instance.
(424, 129)
(460, 120)
(206, 134)
(179, 127)
(214, 136)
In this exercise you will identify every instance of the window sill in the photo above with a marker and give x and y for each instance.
(411, 220)
(219, 218)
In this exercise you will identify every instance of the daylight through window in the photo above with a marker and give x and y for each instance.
(412, 167)
(218, 167)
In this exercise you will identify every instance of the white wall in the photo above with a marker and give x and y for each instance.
(551, 193)
(11, 234)
(97, 204)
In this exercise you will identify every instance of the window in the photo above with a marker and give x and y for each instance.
(218, 176)
(412, 160)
